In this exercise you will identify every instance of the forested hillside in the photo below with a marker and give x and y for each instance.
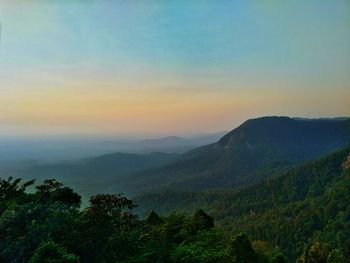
(309, 203)
(256, 150)
(48, 226)
(303, 214)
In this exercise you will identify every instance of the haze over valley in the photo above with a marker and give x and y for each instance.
(187, 131)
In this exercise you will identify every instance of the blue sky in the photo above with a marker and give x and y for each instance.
(169, 66)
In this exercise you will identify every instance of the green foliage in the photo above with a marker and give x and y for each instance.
(241, 250)
(202, 221)
(50, 252)
(306, 204)
(336, 256)
(11, 190)
(304, 213)
(154, 219)
(53, 191)
(174, 227)
(25, 226)
(115, 209)
(202, 250)
(49, 226)
(279, 258)
(318, 252)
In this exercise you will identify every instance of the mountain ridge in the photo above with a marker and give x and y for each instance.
(254, 151)
(252, 146)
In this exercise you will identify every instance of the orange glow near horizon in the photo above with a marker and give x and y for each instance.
(169, 67)
(145, 110)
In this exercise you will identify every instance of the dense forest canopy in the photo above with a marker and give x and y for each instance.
(48, 226)
(284, 223)
(310, 202)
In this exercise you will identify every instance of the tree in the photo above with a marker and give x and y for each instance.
(12, 188)
(154, 219)
(279, 258)
(116, 209)
(173, 227)
(241, 250)
(267, 252)
(53, 191)
(315, 253)
(204, 247)
(107, 224)
(336, 256)
(202, 221)
(50, 252)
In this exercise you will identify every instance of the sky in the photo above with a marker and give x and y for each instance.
(157, 67)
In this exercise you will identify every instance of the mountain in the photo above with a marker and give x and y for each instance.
(258, 149)
(308, 203)
(94, 175)
(50, 149)
(170, 144)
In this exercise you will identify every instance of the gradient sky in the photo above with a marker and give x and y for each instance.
(137, 67)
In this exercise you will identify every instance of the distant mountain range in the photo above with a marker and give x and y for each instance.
(278, 179)
(256, 150)
(19, 151)
(170, 144)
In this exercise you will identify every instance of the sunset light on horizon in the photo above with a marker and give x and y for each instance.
(169, 67)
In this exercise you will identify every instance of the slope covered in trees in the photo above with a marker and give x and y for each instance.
(256, 150)
(311, 202)
(48, 226)
(303, 214)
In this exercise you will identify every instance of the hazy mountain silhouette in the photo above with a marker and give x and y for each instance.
(256, 150)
